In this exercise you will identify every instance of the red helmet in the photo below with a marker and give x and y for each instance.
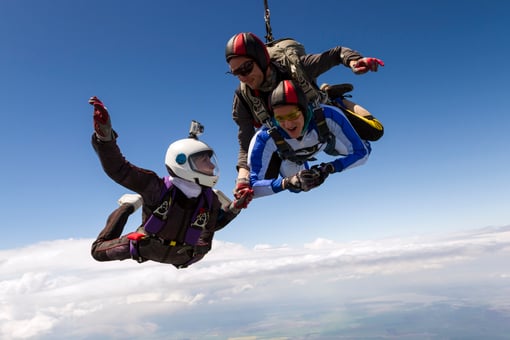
(248, 45)
(288, 93)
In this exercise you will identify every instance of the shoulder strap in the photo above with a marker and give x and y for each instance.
(156, 221)
(322, 126)
(261, 114)
(283, 148)
(288, 52)
(208, 193)
(255, 105)
(325, 136)
(200, 218)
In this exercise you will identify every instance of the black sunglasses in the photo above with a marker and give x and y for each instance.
(244, 69)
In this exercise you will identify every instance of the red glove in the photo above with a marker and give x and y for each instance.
(102, 122)
(243, 193)
(367, 64)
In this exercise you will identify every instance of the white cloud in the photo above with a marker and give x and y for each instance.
(56, 290)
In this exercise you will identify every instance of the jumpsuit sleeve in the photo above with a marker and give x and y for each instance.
(317, 64)
(353, 149)
(223, 218)
(145, 182)
(261, 152)
(243, 118)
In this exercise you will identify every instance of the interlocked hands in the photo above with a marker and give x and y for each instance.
(364, 65)
(102, 122)
(321, 172)
(306, 180)
(243, 193)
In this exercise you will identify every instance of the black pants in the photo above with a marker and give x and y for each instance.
(110, 245)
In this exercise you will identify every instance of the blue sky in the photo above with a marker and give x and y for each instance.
(442, 166)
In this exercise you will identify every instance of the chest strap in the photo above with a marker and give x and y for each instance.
(199, 219)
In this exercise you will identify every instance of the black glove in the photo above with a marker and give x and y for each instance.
(102, 122)
(304, 180)
(291, 183)
(321, 172)
(307, 179)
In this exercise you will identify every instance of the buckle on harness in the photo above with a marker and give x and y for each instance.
(170, 243)
(167, 242)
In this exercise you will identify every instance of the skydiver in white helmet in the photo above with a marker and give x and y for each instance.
(180, 212)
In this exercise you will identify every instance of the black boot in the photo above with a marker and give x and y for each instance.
(337, 91)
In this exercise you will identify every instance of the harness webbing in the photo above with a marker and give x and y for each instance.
(157, 220)
(257, 106)
(284, 149)
(322, 126)
(324, 136)
(267, 19)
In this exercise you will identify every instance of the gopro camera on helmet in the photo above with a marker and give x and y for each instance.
(196, 129)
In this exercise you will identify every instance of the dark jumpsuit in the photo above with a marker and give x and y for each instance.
(168, 245)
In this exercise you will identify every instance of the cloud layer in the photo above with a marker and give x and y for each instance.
(55, 290)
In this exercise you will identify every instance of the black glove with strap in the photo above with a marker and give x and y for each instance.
(291, 183)
(321, 172)
(304, 180)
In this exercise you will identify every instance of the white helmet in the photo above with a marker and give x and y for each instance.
(192, 160)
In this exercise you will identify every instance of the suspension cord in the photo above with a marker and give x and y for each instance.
(267, 19)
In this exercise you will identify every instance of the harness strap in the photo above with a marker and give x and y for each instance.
(133, 246)
(257, 107)
(158, 219)
(324, 135)
(322, 126)
(194, 231)
(284, 149)
(154, 223)
(312, 93)
(267, 19)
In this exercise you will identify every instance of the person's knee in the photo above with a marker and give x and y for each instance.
(118, 249)
(98, 255)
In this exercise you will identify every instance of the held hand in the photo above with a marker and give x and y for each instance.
(102, 122)
(364, 65)
(307, 179)
(243, 193)
(322, 172)
(304, 180)
(292, 183)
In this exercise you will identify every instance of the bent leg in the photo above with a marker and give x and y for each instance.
(356, 108)
(109, 244)
(366, 125)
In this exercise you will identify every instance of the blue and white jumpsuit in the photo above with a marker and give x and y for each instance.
(262, 153)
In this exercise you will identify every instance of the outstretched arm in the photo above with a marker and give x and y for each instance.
(317, 64)
(364, 65)
(145, 182)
